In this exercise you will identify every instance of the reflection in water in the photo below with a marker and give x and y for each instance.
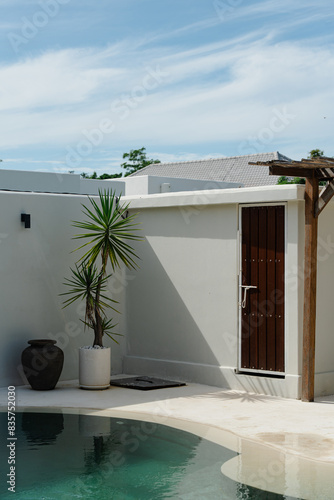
(42, 428)
(110, 458)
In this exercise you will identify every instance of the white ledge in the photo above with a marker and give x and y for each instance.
(263, 194)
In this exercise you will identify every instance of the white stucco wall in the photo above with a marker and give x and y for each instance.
(52, 182)
(174, 296)
(145, 184)
(33, 265)
(324, 361)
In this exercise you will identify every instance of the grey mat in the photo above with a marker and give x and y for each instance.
(144, 383)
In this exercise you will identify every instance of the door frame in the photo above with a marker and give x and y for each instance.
(251, 371)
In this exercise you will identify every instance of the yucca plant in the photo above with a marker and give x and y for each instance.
(107, 230)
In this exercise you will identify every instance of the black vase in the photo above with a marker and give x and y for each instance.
(42, 364)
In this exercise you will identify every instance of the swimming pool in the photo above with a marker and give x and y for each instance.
(92, 457)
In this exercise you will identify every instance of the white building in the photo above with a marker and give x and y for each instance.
(182, 314)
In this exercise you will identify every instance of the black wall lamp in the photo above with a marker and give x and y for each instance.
(27, 220)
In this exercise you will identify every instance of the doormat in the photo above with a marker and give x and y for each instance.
(145, 383)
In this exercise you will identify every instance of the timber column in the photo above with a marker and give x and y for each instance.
(310, 287)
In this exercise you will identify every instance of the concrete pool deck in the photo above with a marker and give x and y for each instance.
(302, 428)
(303, 431)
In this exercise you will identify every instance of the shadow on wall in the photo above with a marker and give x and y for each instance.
(33, 264)
(184, 297)
(160, 325)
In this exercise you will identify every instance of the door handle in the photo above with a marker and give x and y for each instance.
(244, 298)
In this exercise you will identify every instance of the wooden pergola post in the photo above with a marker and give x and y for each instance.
(310, 287)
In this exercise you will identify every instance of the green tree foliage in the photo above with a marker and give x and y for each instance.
(110, 176)
(84, 175)
(135, 160)
(288, 180)
(315, 153)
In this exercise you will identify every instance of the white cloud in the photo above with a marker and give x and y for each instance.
(216, 92)
(260, 78)
(53, 79)
(268, 7)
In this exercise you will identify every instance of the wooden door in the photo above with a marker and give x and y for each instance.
(262, 308)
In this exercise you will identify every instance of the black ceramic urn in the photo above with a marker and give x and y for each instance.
(42, 364)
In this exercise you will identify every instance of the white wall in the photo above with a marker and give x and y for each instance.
(324, 361)
(33, 265)
(145, 184)
(188, 266)
(49, 182)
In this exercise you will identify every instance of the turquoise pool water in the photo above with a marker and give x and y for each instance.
(67, 456)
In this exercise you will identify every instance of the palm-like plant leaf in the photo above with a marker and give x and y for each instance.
(106, 230)
(84, 284)
(108, 329)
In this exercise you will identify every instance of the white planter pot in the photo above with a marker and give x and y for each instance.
(94, 368)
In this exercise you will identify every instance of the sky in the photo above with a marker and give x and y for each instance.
(84, 81)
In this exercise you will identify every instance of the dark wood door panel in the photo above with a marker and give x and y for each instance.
(262, 317)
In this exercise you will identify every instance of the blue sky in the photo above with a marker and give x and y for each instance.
(83, 81)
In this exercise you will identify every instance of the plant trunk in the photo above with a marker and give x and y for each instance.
(98, 334)
(98, 320)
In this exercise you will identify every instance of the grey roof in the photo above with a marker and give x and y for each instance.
(228, 169)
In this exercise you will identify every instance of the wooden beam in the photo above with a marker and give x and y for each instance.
(321, 174)
(313, 164)
(322, 168)
(310, 288)
(325, 196)
(290, 171)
